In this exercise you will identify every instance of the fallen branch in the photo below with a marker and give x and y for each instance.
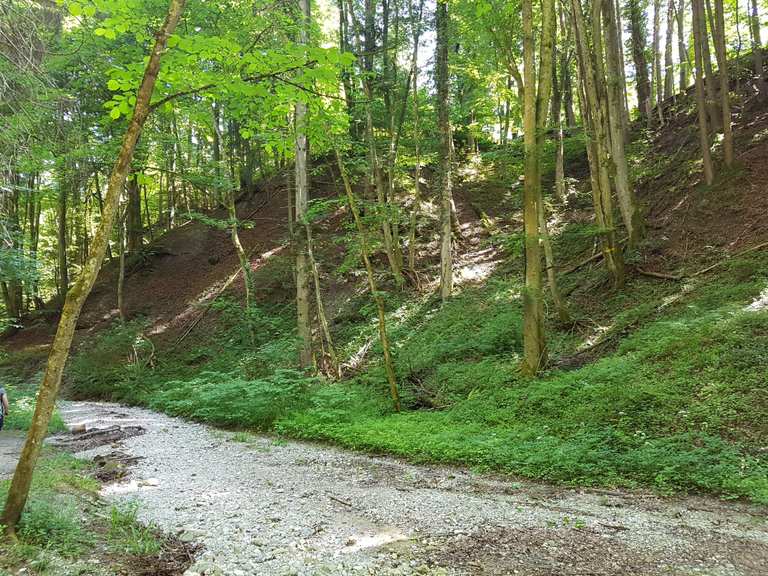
(596, 256)
(721, 262)
(340, 501)
(661, 275)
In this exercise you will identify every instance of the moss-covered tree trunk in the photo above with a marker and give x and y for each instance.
(536, 96)
(62, 342)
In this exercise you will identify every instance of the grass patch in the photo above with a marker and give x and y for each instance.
(66, 529)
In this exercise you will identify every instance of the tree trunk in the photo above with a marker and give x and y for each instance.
(725, 98)
(415, 211)
(638, 34)
(701, 102)
(444, 129)
(709, 75)
(321, 316)
(134, 224)
(302, 204)
(62, 244)
(682, 49)
(626, 195)
(600, 147)
(757, 50)
(375, 294)
(549, 258)
(49, 387)
(669, 72)
(535, 104)
(121, 235)
(659, 88)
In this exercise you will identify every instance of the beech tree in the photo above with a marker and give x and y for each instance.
(446, 149)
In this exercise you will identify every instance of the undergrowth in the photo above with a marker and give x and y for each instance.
(676, 404)
(66, 529)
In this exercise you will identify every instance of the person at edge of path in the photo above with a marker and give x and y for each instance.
(3, 406)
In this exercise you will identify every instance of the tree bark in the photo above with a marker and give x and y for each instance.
(444, 129)
(638, 35)
(701, 102)
(682, 48)
(416, 210)
(628, 205)
(669, 72)
(49, 387)
(709, 75)
(725, 98)
(600, 148)
(657, 82)
(62, 244)
(757, 50)
(375, 294)
(536, 96)
(134, 224)
(301, 206)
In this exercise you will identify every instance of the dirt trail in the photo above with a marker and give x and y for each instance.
(264, 506)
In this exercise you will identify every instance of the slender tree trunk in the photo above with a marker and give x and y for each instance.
(49, 387)
(709, 75)
(669, 71)
(416, 143)
(597, 131)
(628, 206)
(62, 244)
(757, 50)
(121, 234)
(682, 48)
(725, 94)
(535, 104)
(549, 258)
(444, 129)
(321, 316)
(638, 36)
(659, 87)
(375, 294)
(701, 102)
(376, 179)
(302, 204)
(133, 216)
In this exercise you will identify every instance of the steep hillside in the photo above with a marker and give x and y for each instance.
(661, 383)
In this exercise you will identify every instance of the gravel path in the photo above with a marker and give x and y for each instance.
(261, 506)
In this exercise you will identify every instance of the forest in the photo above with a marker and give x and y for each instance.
(383, 287)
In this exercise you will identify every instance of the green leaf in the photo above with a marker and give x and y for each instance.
(113, 85)
(115, 113)
(75, 9)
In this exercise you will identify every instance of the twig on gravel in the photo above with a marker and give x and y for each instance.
(340, 501)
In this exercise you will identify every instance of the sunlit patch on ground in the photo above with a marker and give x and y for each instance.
(366, 541)
(760, 303)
